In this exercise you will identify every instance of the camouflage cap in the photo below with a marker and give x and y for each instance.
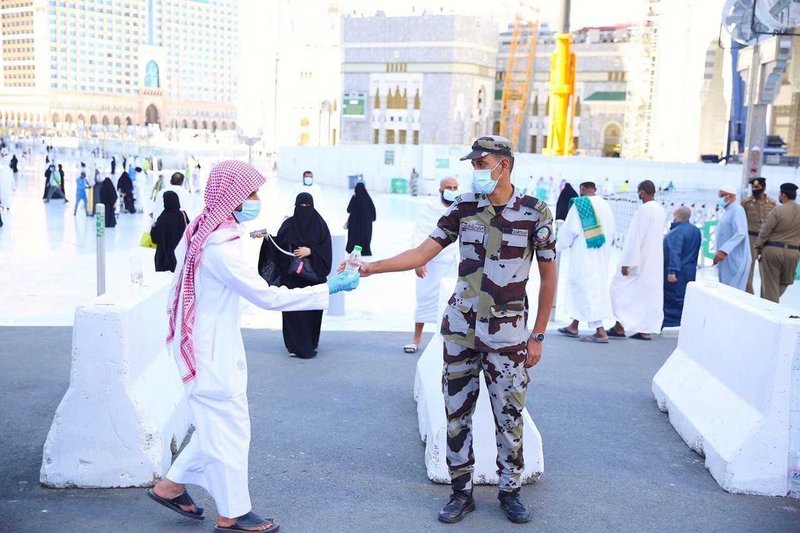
(489, 144)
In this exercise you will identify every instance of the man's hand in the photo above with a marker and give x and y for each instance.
(534, 353)
(302, 252)
(719, 257)
(626, 270)
(421, 272)
(672, 278)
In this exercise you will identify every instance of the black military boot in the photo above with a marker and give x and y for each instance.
(515, 510)
(460, 504)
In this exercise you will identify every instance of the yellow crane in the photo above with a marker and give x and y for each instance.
(562, 91)
(517, 84)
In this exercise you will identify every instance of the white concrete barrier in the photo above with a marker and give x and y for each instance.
(124, 412)
(433, 420)
(732, 388)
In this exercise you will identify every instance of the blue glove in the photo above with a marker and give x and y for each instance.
(346, 281)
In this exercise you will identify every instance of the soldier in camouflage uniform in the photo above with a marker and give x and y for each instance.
(756, 207)
(500, 231)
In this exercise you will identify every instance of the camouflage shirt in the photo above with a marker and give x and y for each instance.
(489, 309)
(757, 213)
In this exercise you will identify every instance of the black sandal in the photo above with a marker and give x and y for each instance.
(175, 503)
(250, 520)
(613, 333)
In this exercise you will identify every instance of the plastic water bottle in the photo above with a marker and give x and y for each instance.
(353, 263)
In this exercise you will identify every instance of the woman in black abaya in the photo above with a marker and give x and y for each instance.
(565, 201)
(167, 232)
(125, 187)
(359, 223)
(306, 235)
(108, 197)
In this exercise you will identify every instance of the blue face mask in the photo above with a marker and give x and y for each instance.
(449, 196)
(721, 203)
(482, 181)
(308, 182)
(250, 210)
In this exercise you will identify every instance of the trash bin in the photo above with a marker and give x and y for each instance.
(353, 180)
(399, 186)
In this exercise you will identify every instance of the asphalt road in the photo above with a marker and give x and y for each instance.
(336, 446)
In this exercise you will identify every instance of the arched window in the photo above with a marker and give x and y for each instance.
(185, 124)
(81, 120)
(117, 122)
(535, 106)
(612, 137)
(194, 124)
(151, 77)
(578, 106)
(56, 119)
(223, 126)
(377, 98)
(106, 122)
(205, 125)
(417, 100)
(128, 121)
(214, 126)
(151, 115)
(93, 120)
(68, 119)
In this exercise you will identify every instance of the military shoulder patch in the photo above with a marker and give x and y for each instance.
(543, 234)
(534, 203)
(467, 197)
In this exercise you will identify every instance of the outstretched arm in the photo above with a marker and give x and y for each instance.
(408, 260)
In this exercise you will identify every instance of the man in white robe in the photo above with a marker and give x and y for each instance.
(429, 277)
(588, 297)
(204, 322)
(637, 290)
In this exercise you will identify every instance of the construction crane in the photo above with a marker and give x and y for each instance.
(562, 91)
(517, 83)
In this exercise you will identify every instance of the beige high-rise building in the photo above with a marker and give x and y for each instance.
(105, 64)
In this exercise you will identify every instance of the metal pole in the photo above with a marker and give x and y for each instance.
(100, 229)
(565, 9)
(752, 161)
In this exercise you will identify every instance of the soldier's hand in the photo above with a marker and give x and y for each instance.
(626, 271)
(719, 257)
(672, 278)
(421, 272)
(534, 353)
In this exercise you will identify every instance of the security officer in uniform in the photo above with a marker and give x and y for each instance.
(778, 245)
(500, 231)
(756, 207)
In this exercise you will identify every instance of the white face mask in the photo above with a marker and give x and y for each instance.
(449, 196)
(482, 181)
(250, 211)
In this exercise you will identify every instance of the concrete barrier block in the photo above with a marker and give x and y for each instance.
(732, 388)
(124, 412)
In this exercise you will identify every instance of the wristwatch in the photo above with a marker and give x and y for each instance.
(538, 337)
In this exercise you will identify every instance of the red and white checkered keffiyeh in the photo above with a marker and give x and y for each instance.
(229, 184)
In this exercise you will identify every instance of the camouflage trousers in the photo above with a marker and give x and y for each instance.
(506, 380)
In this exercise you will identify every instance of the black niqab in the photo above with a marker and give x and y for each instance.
(564, 201)
(108, 197)
(306, 228)
(359, 223)
(168, 231)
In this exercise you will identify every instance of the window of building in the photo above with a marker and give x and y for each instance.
(416, 136)
(376, 136)
(390, 137)
(402, 136)
(534, 139)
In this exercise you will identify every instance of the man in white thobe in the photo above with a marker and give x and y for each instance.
(733, 256)
(588, 233)
(430, 276)
(211, 278)
(637, 290)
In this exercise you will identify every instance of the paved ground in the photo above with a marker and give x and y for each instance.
(336, 448)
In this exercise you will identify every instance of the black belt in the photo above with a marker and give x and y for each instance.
(782, 245)
(753, 233)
